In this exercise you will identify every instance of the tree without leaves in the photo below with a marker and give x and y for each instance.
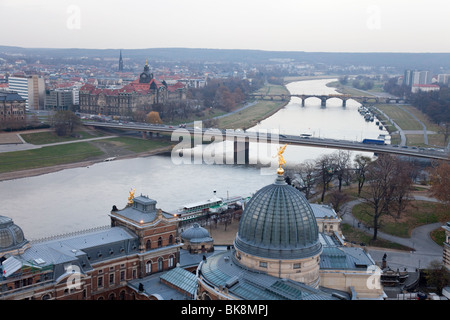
(361, 164)
(337, 198)
(342, 165)
(324, 167)
(440, 181)
(380, 188)
(64, 122)
(403, 184)
(437, 275)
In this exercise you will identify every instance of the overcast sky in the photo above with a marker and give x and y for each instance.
(281, 25)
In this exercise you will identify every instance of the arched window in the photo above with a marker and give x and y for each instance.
(111, 296)
(148, 245)
(171, 261)
(171, 239)
(160, 264)
(159, 242)
(122, 295)
(148, 267)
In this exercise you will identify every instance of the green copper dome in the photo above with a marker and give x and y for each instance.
(278, 222)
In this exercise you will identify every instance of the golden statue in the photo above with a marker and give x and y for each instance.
(131, 196)
(281, 161)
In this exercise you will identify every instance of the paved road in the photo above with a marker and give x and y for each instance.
(425, 250)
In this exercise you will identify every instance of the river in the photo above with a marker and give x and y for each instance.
(81, 198)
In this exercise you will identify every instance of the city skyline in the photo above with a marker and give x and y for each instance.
(320, 26)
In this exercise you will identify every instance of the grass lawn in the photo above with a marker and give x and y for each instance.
(47, 156)
(345, 89)
(356, 236)
(402, 118)
(38, 138)
(137, 144)
(417, 213)
(249, 117)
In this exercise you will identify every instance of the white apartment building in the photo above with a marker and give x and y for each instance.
(31, 88)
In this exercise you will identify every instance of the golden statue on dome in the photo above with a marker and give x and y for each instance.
(131, 196)
(281, 161)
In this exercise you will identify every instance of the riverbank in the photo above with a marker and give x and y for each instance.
(55, 168)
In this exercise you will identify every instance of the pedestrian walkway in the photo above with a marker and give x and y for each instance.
(424, 249)
(29, 146)
(400, 131)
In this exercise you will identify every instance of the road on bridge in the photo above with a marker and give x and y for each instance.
(253, 136)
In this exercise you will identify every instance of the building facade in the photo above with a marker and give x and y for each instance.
(446, 253)
(59, 99)
(137, 96)
(93, 265)
(12, 108)
(279, 253)
(31, 88)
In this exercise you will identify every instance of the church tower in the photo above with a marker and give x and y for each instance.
(146, 76)
(120, 62)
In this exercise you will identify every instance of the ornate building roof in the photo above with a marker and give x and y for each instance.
(279, 223)
(11, 235)
(196, 233)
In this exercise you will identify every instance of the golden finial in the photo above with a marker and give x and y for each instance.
(146, 62)
(131, 196)
(281, 161)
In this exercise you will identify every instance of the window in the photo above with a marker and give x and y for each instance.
(122, 275)
(100, 282)
(148, 245)
(297, 265)
(263, 264)
(171, 239)
(148, 268)
(159, 242)
(171, 261)
(111, 278)
(160, 264)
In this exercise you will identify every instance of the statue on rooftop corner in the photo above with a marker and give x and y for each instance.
(131, 196)
(281, 161)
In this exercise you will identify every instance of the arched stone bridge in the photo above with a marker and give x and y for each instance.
(325, 97)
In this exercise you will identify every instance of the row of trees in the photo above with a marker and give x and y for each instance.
(384, 184)
(225, 93)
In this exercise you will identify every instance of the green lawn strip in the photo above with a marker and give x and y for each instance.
(401, 117)
(138, 144)
(356, 236)
(39, 138)
(47, 156)
(250, 117)
(418, 213)
(438, 236)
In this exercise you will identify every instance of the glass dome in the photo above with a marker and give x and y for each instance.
(11, 235)
(278, 222)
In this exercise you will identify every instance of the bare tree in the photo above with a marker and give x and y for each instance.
(380, 188)
(440, 181)
(325, 167)
(361, 164)
(64, 122)
(403, 183)
(337, 198)
(342, 165)
(306, 171)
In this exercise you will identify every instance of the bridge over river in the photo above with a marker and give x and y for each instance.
(324, 97)
(242, 139)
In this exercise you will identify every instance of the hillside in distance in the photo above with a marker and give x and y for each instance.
(427, 61)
